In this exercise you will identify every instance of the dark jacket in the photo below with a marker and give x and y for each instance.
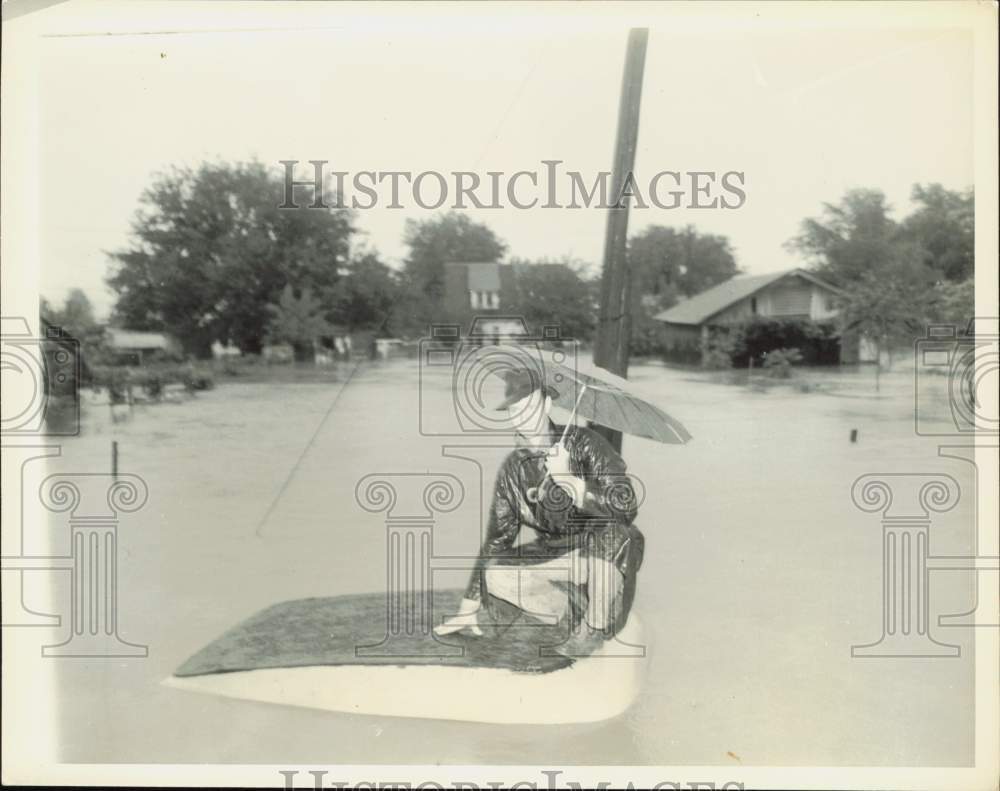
(610, 500)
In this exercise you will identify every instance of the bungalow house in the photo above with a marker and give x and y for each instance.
(133, 347)
(792, 294)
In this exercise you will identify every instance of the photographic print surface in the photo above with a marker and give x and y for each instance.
(484, 394)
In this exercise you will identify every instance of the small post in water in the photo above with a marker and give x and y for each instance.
(114, 458)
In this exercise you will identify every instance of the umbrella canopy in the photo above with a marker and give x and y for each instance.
(606, 400)
(591, 392)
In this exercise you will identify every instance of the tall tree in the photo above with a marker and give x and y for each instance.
(298, 321)
(554, 293)
(210, 250)
(365, 296)
(943, 226)
(668, 264)
(889, 307)
(954, 303)
(898, 275)
(852, 238)
(77, 314)
(857, 236)
(446, 238)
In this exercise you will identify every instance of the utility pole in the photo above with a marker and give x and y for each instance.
(614, 327)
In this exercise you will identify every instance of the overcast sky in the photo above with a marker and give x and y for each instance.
(805, 113)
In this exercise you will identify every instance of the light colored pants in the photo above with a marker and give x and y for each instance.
(542, 589)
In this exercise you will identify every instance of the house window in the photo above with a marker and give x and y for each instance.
(474, 299)
(495, 299)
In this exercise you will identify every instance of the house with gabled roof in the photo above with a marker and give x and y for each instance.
(791, 294)
(134, 347)
(486, 291)
(486, 297)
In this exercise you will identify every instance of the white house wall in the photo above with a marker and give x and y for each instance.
(823, 305)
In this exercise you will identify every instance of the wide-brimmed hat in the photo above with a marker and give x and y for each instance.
(522, 382)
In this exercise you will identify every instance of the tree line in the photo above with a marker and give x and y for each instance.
(898, 276)
(212, 257)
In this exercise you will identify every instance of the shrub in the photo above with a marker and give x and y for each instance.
(724, 346)
(816, 341)
(152, 382)
(238, 366)
(115, 379)
(201, 381)
(718, 358)
(231, 366)
(120, 380)
(778, 362)
(195, 379)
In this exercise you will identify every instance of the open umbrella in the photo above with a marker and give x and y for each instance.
(604, 399)
(589, 391)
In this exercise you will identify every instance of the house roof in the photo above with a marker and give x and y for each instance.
(483, 277)
(703, 306)
(131, 339)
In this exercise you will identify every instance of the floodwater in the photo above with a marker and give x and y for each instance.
(759, 575)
